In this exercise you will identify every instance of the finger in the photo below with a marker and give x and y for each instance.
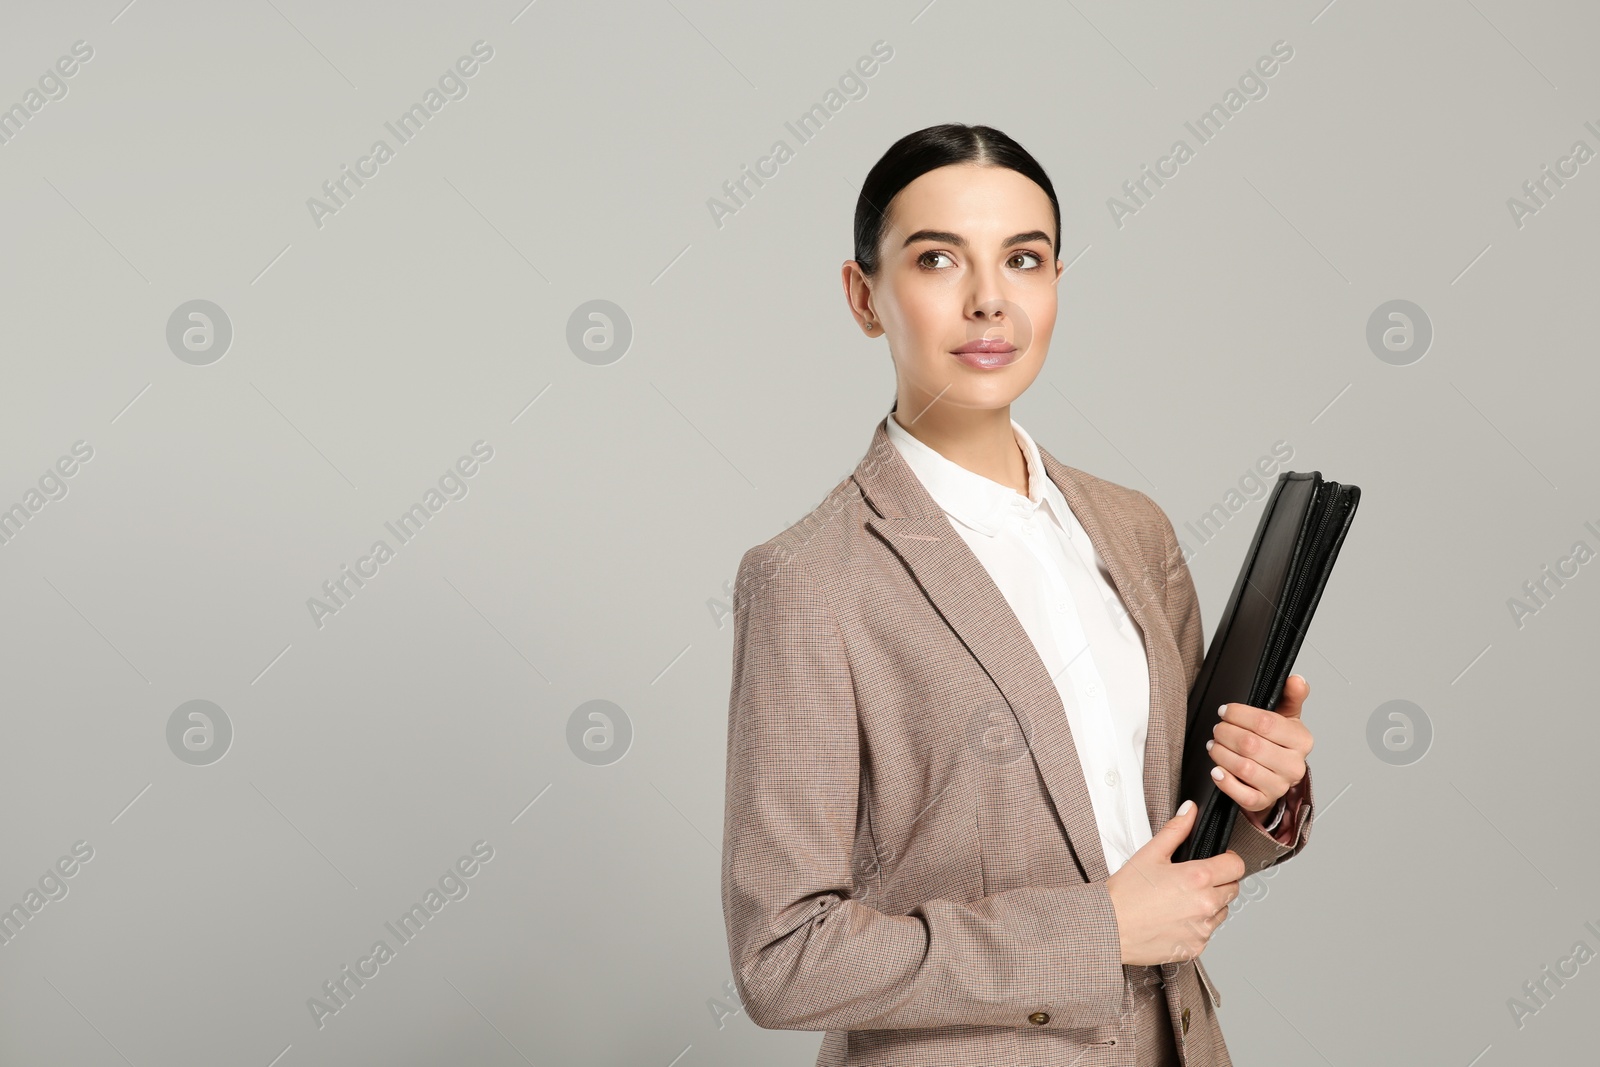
(1268, 724)
(1165, 841)
(1244, 794)
(1295, 691)
(1259, 777)
(1225, 868)
(1287, 763)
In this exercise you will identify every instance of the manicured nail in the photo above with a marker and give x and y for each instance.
(1216, 772)
(1209, 744)
(1183, 809)
(1222, 712)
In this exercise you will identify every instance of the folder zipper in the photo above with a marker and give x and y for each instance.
(1216, 829)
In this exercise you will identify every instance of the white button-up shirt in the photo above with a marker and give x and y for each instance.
(1044, 564)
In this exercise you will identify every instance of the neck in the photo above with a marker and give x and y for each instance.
(980, 440)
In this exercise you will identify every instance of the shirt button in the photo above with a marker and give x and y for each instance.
(1111, 778)
(1039, 1018)
(1092, 689)
(1061, 605)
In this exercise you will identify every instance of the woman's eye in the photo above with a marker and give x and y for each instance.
(928, 260)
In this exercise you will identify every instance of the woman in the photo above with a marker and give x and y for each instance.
(959, 693)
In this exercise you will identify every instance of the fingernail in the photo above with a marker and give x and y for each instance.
(1209, 744)
(1183, 809)
(1222, 712)
(1216, 772)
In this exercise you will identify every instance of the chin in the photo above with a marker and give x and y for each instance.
(1000, 390)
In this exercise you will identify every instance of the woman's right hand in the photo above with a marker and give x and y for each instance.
(1167, 911)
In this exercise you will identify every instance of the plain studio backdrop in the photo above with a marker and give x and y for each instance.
(557, 351)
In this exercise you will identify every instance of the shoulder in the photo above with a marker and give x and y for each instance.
(815, 553)
(1130, 514)
(1123, 504)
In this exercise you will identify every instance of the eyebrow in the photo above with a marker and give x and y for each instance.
(946, 237)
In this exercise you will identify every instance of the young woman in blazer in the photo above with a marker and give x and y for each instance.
(959, 693)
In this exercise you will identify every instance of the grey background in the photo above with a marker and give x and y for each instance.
(590, 558)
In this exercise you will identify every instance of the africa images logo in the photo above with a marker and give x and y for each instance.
(342, 988)
(452, 85)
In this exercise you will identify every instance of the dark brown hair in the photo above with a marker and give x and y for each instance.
(928, 149)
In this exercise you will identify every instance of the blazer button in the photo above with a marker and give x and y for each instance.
(1186, 1020)
(1039, 1018)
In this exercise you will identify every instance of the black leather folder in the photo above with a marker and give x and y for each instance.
(1258, 636)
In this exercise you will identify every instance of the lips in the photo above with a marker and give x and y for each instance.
(987, 353)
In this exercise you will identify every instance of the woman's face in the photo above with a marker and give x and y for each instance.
(966, 288)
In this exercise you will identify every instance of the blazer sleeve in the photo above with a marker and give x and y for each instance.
(1255, 846)
(806, 953)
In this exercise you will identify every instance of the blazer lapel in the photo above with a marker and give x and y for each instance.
(1168, 709)
(911, 522)
(914, 526)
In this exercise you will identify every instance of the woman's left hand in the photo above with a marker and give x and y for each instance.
(1260, 754)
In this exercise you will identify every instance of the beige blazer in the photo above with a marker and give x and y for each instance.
(910, 860)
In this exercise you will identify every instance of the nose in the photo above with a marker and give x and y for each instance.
(1000, 319)
(989, 314)
(987, 304)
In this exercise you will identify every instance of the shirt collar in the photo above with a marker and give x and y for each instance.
(970, 498)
